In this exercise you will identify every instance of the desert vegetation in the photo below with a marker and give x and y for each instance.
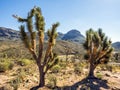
(62, 76)
(33, 63)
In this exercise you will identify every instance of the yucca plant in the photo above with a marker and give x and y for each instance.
(36, 31)
(98, 49)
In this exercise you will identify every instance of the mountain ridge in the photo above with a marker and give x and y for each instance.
(72, 35)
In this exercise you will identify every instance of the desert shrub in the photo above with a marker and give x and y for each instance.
(24, 62)
(99, 75)
(5, 65)
(20, 78)
(79, 64)
(21, 74)
(62, 64)
(55, 69)
(52, 82)
(15, 83)
(77, 70)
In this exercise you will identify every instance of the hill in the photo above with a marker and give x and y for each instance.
(71, 36)
(9, 37)
(74, 48)
(116, 45)
(16, 49)
(7, 33)
(74, 35)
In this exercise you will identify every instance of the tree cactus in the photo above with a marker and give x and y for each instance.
(98, 47)
(36, 31)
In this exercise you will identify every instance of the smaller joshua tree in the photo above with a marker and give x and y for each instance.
(98, 49)
(43, 61)
(67, 52)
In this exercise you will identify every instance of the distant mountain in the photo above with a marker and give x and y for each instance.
(74, 35)
(7, 33)
(60, 36)
(116, 45)
(10, 34)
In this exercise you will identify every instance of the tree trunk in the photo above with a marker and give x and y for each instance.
(41, 77)
(91, 71)
(66, 57)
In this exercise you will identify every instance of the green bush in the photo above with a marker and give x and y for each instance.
(24, 62)
(62, 64)
(5, 65)
(52, 82)
(99, 75)
(55, 69)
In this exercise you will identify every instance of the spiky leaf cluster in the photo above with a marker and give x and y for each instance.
(51, 61)
(98, 46)
(52, 34)
(24, 37)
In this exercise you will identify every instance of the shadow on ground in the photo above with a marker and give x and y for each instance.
(87, 84)
(35, 88)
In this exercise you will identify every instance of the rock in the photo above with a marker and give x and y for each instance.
(108, 75)
(115, 76)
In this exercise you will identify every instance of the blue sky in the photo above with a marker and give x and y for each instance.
(72, 14)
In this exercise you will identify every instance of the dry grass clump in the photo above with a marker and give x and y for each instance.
(5, 64)
(24, 62)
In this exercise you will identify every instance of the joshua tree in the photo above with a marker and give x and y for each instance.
(43, 61)
(67, 52)
(98, 49)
